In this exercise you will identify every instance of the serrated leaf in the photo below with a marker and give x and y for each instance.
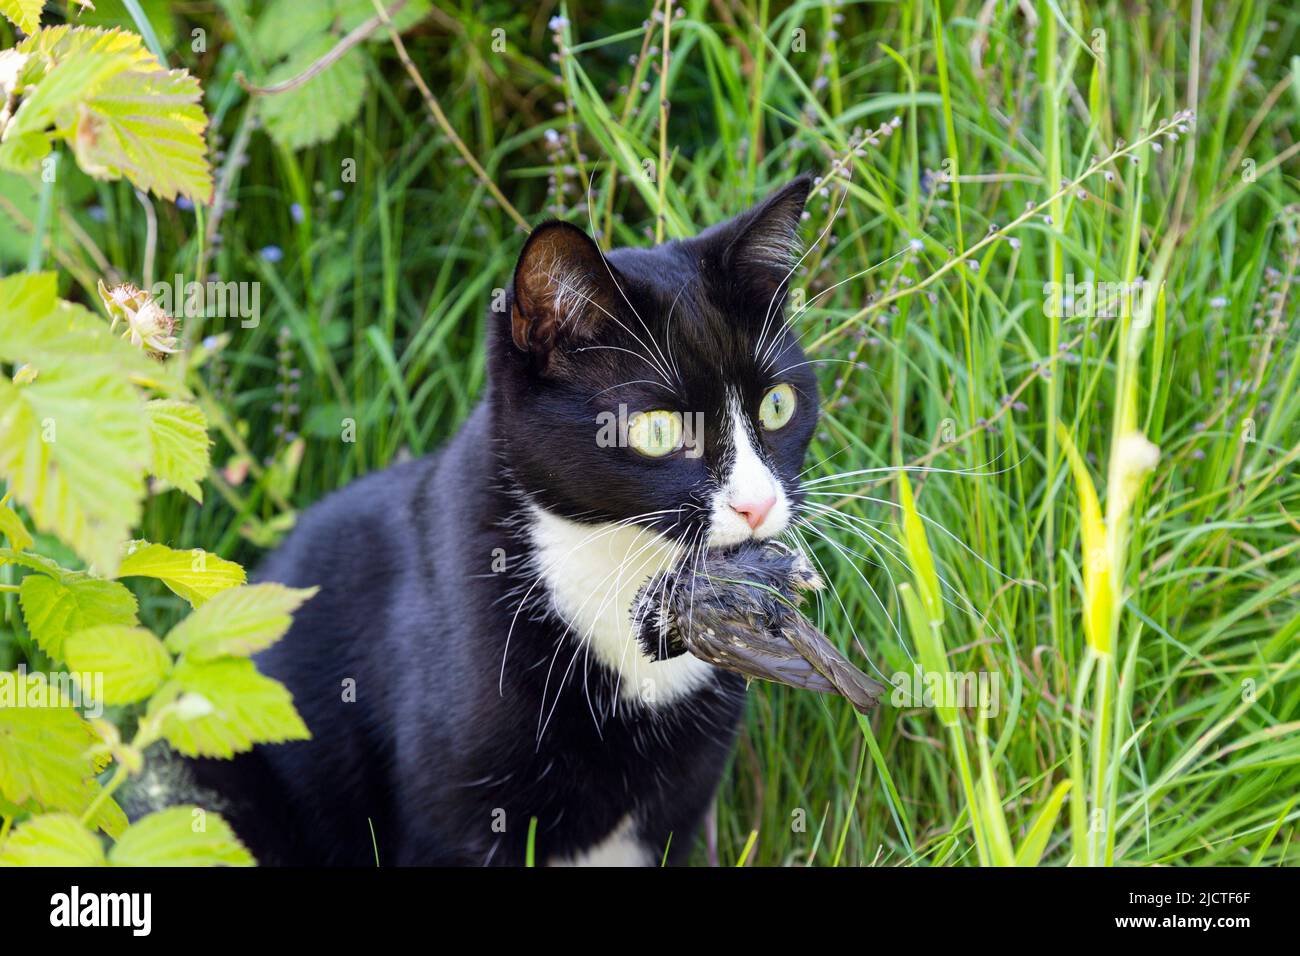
(147, 126)
(25, 14)
(314, 112)
(240, 621)
(247, 708)
(52, 839)
(45, 755)
(74, 446)
(170, 838)
(122, 113)
(68, 64)
(196, 575)
(128, 662)
(55, 608)
(40, 328)
(179, 433)
(33, 562)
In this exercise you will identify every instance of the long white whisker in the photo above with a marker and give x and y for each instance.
(541, 575)
(926, 518)
(844, 551)
(649, 359)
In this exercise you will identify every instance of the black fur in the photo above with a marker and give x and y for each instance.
(440, 751)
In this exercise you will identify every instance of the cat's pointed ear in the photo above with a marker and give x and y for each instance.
(765, 239)
(563, 289)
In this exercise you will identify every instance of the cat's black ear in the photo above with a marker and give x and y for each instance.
(564, 288)
(765, 240)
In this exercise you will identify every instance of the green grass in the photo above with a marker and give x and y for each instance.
(941, 357)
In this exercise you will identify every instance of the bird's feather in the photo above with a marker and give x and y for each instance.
(739, 612)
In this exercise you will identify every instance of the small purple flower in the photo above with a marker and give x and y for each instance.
(272, 254)
(184, 204)
(97, 213)
(295, 211)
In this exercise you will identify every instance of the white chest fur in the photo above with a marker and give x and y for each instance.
(620, 848)
(593, 573)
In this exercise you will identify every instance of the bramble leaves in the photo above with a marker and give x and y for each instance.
(45, 753)
(131, 661)
(86, 416)
(177, 836)
(121, 112)
(52, 839)
(195, 575)
(42, 329)
(298, 36)
(179, 433)
(314, 112)
(74, 447)
(180, 836)
(25, 14)
(74, 443)
(238, 622)
(76, 435)
(246, 708)
(55, 608)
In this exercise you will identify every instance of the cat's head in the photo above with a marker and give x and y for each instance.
(660, 385)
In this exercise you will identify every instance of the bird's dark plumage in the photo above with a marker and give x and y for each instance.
(738, 611)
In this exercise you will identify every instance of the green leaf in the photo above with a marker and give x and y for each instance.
(180, 836)
(40, 328)
(180, 444)
(132, 661)
(113, 13)
(122, 113)
(285, 25)
(34, 562)
(12, 527)
(57, 607)
(52, 839)
(240, 621)
(148, 127)
(353, 13)
(919, 555)
(74, 445)
(67, 64)
(195, 575)
(314, 112)
(45, 752)
(1031, 850)
(246, 708)
(25, 14)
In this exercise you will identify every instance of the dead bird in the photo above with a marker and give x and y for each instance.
(739, 611)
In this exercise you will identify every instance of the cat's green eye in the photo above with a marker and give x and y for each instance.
(777, 407)
(655, 433)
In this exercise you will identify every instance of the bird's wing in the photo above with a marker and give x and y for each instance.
(845, 679)
(737, 646)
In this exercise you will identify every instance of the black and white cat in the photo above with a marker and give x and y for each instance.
(478, 601)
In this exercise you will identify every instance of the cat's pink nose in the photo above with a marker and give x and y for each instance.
(754, 511)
